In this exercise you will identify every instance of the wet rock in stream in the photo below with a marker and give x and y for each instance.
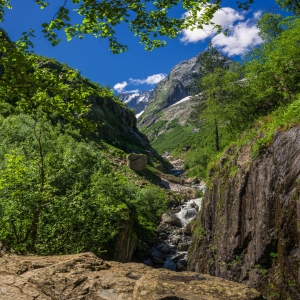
(183, 246)
(175, 240)
(163, 236)
(171, 218)
(174, 237)
(164, 248)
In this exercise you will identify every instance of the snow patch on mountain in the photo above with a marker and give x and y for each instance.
(131, 96)
(137, 101)
(139, 114)
(182, 100)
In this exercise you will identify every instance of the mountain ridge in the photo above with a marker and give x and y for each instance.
(136, 100)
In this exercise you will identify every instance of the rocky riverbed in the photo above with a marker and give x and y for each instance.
(174, 237)
(174, 232)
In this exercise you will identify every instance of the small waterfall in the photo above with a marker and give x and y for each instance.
(178, 259)
(189, 211)
(174, 237)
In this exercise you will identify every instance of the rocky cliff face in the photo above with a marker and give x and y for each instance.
(175, 87)
(117, 125)
(87, 277)
(171, 89)
(249, 228)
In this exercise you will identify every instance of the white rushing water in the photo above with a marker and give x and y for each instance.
(189, 211)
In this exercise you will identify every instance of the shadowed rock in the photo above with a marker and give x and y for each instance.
(248, 229)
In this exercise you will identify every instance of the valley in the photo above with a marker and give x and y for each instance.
(189, 190)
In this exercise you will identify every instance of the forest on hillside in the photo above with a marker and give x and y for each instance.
(235, 101)
(61, 190)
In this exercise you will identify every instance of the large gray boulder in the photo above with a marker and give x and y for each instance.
(171, 218)
(137, 162)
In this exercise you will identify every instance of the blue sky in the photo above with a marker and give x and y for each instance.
(137, 69)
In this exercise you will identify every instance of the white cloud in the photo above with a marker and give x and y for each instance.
(153, 79)
(241, 39)
(257, 15)
(225, 17)
(131, 91)
(119, 87)
(242, 35)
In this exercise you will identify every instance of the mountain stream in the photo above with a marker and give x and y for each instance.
(174, 236)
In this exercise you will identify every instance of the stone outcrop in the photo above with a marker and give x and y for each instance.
(137, 162)
(249, 227)
(173, 88)
(124, 243)
(117, 126)
(171, 218)
(87, 277)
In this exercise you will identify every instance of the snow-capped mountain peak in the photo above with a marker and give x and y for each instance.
(138, 101)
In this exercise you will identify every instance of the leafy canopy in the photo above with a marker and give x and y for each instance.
(230, 100)
(59, 193)
(36, 83)
(149, 20)
(290, 5)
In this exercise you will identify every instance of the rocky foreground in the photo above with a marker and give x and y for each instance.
(87, 277)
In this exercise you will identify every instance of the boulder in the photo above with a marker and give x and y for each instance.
(183, 246)
(85, 276)
(171, 218)
(158, 257)
(158, 260)
(177, 257)
(191, 180)
(163, 236)
(187, 230)
(137, 162)
(175, 240)
(188, 286)
(181, 265)
(164, 248)
(194, 205)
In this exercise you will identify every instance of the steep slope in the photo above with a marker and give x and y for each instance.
(171, 89)
(248, 229)
(165, 121)
(76, 189)
(172, 130)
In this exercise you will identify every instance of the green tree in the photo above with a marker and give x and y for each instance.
(269, 26)
(209, 61)
(273, 68)
(226, 108)
(36, 83)
(46, 204)
(290, 5)
(149, 20)
(60, 194)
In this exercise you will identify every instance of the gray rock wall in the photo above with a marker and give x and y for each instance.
(249, 228)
